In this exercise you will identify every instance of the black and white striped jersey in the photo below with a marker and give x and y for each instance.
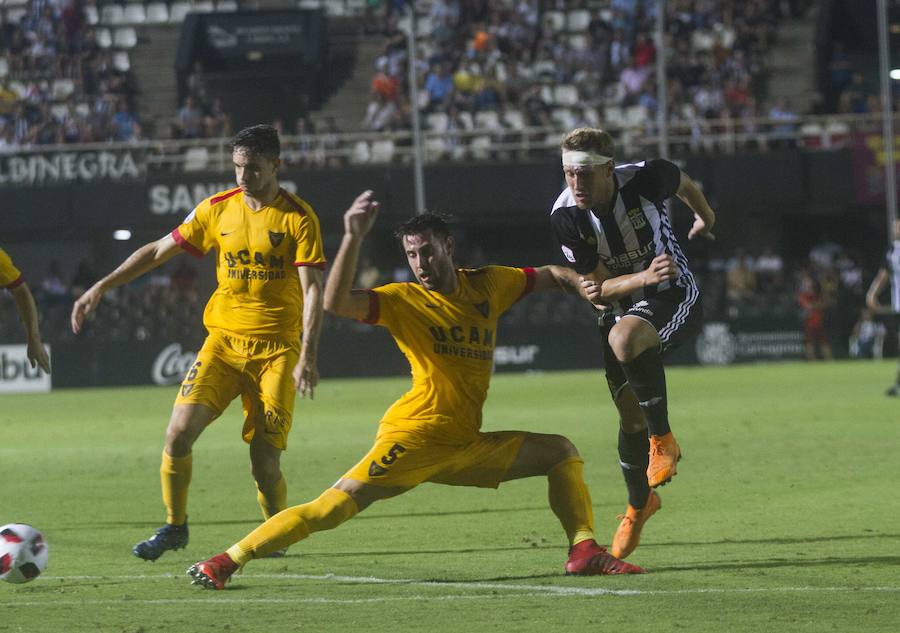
(627, 239)
(892, 265)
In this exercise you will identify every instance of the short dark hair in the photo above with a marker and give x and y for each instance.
(437, 223)
(259, 139)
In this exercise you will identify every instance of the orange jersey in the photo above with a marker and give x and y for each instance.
(10, 277)
(259, 290)
(449, 342)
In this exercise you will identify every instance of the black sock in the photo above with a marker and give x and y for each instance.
(647, 378)
(634, 449)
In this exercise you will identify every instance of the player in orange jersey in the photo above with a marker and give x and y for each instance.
(255, 319)
(445, 324)
(12, 280)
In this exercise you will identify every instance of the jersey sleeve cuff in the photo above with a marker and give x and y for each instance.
(319, 265)
(183, 243)
(18, 281)
(374, 307)
(530, 278)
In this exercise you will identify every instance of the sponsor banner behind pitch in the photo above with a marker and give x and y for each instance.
(358, 351)
(16, 373)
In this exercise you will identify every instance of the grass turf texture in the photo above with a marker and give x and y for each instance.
(784, 515)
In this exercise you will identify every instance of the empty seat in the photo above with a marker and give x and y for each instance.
(91, 14)
(382, 151)
(61, 89)
(125, 37)
(112, 14)
(104, 37)
(157, 12)
(121, 61)
(578, 20)
(514, 119)
(565, 95)
(18, 87)
(434, 148)
(635, 116)
(59, 111)
(15, 15)
(437, 121)
(563, 117)
(177, 11)
(556, 20)
(360, 153)
(227, 6)
(203, 6)
(487, 120)
(481, 147)
(579, 41)
(613, 117)
(196, 159)
(135, 13)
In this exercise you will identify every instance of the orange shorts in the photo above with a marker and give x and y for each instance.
(259, 370)
(405, 459)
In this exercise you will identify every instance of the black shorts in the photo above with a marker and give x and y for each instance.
(675, 314)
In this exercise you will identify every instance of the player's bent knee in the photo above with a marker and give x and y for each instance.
(557, 448)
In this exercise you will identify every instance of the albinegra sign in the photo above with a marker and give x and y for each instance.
(16, 374)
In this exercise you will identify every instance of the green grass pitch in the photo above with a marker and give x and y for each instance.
(785, 514)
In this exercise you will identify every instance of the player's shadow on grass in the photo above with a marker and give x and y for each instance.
(793, 563)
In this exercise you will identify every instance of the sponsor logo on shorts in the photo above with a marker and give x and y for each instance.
(186, 390)
(377, 470)
(641, 306)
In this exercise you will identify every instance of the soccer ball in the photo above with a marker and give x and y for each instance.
(23, 553)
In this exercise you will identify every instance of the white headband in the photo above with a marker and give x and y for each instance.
(584, 159)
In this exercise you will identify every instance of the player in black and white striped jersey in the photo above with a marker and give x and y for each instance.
(889, 275)
(612, 225)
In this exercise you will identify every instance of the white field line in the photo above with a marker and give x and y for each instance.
(516, 590)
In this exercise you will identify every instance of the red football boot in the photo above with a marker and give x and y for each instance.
(213, 573)
(589, 559)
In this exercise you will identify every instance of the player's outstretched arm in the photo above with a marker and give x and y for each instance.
(704, 216)
(358, 221)
(144, 259)
(875, 289)
(306, 372)
(557, 278)
(28, 311)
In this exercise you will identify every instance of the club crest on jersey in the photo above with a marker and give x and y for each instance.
(276, 238)
(637, 218)
(484, 308)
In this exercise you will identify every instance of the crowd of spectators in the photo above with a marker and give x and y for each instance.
(162, 305)
(553, 61)
(59, 85)
(821, 294)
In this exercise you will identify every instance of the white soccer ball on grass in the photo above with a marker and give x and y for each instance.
(23, 553)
